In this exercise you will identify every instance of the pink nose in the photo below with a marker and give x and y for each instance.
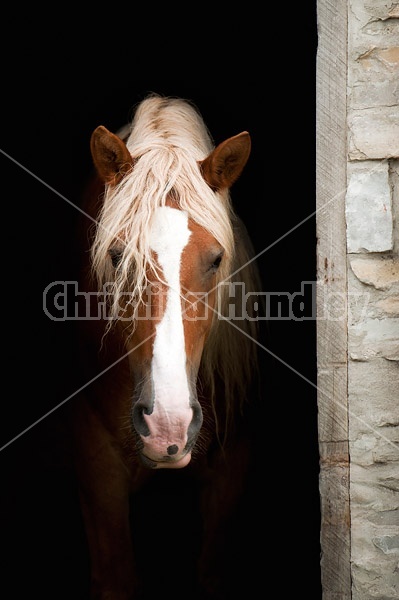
(167, 433)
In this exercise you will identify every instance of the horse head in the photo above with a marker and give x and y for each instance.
(164, 261)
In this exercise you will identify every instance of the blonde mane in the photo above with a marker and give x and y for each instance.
(167, 138)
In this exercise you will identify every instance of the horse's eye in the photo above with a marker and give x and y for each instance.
(216, 262)
(116, 256)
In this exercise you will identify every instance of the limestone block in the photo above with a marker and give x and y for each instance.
(373, 21)
(374, 485)
(374, 532)
(372, 492)
(374, 411)
(374, 338)
(368, 209)
(373, 132)
(376, 447)
(380, 272)
(389, 306)
(373, 288)
(382, 9)
(373, 78)
(374, 571)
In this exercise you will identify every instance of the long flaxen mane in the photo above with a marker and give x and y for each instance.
(167, 140)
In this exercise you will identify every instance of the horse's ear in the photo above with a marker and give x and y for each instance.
(110, 155)
(225, 163)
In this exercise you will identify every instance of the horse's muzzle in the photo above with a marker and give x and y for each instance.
(167, 434)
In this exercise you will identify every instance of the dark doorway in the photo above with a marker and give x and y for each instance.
(56, 96)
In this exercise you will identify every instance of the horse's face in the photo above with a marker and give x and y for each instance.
(166, 346)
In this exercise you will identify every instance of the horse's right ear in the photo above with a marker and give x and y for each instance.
(225, 163)
(110, 155)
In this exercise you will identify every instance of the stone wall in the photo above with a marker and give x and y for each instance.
(357, 223)
(372, 219)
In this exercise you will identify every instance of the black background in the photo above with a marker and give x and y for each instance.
(62, 77)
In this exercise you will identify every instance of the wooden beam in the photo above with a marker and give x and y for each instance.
(332, 374)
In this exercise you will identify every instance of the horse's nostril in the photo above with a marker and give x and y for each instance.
(173, 449)
(138, 412)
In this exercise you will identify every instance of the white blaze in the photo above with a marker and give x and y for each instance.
(169, 235)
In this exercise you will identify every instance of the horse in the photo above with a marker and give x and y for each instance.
(166, 344)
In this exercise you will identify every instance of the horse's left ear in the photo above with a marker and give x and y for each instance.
(110, 155)
(225, 163)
